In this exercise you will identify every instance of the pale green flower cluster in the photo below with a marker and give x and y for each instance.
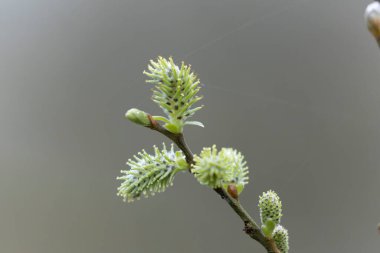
(219, 169)
(149, 174)
(175, 92)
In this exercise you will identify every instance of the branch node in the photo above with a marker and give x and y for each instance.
(248, 229)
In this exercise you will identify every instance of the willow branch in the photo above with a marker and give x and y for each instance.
(250, 226)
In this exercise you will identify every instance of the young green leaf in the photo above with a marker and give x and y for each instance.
(268, 228)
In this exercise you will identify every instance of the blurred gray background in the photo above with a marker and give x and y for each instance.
(293, 84)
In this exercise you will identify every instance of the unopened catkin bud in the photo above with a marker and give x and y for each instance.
(137, 116)
(281, 238)
(372, 17)
(270, 207)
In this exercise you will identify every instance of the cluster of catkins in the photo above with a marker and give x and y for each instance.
(175, 92)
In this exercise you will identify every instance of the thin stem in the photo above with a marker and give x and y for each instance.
(178, 139)
(250, 226)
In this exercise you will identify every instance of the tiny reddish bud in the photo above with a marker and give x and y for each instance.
(232, 190)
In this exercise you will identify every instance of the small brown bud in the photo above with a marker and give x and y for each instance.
(372, 16)
(231, 189)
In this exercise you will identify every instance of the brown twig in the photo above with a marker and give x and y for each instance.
(250, 226)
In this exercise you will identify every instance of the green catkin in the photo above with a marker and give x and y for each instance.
(149, 174)
(270, 207)
(281, 238)
(219, 169)
(175, 92)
